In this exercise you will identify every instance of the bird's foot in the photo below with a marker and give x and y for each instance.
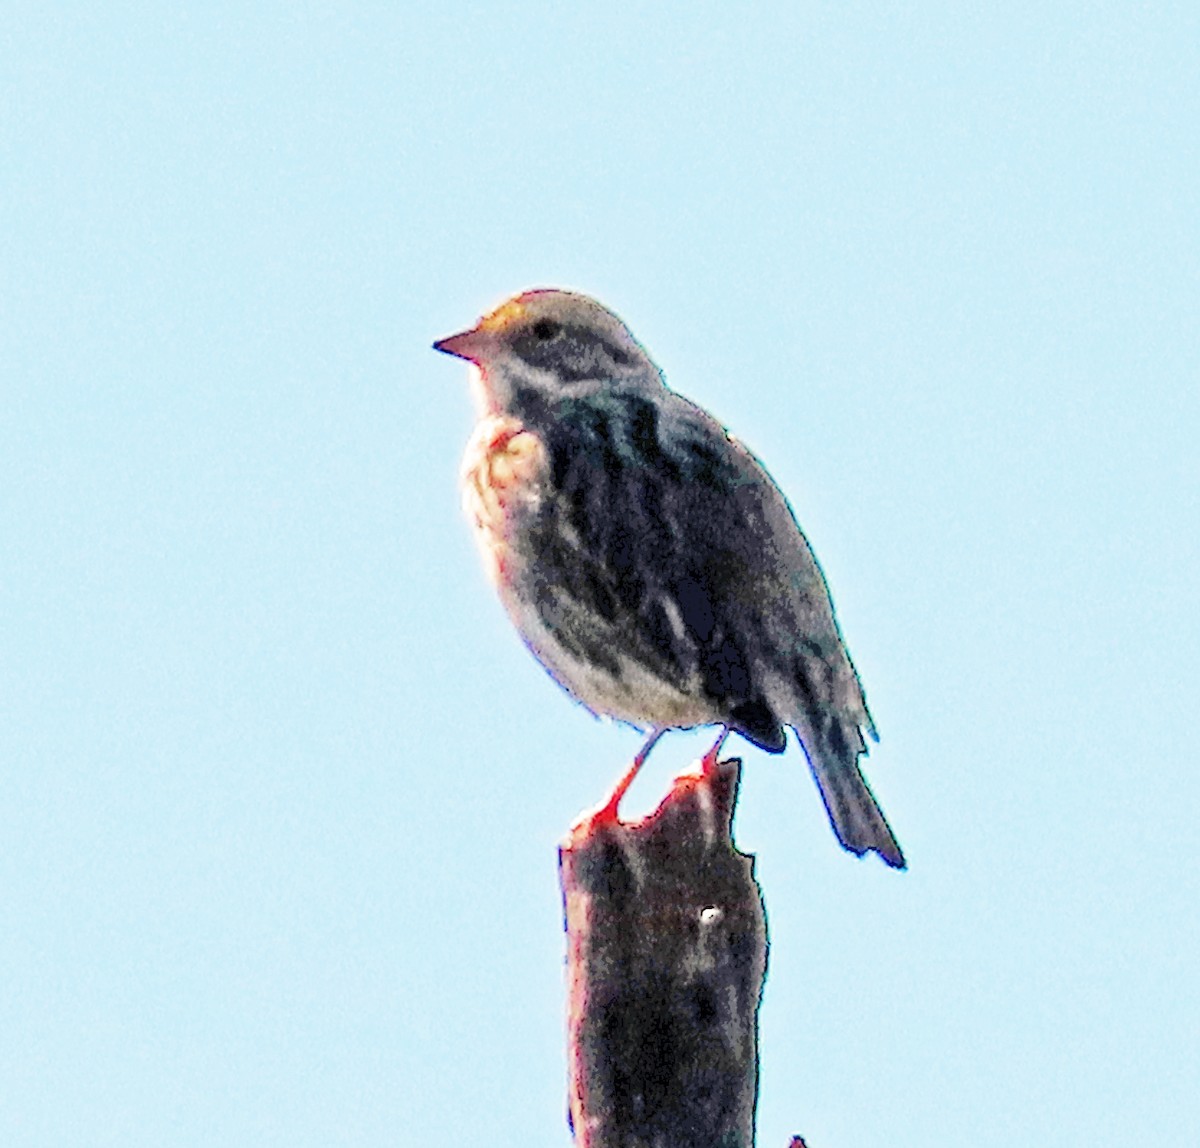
(608, 812)
(710, 761)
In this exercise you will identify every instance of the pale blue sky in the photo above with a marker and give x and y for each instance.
(279, 789)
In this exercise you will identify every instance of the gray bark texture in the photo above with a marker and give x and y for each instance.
(666, 953)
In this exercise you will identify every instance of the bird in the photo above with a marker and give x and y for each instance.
(647, 558)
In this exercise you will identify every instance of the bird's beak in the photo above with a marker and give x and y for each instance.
(467, 345)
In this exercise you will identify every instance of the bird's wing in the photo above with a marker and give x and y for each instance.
(801, 666)
(665, 539)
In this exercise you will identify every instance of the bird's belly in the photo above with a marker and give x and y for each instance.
(607, 680)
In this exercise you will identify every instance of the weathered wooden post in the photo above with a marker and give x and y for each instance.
(666, 953)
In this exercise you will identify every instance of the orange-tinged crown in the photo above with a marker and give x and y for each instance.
(503, 316)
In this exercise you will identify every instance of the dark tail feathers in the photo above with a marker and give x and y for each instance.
(853, 811)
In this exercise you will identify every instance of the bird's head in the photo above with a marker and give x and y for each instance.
(552, 344)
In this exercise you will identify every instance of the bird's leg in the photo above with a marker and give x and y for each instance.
(608, 811)
(708, 764)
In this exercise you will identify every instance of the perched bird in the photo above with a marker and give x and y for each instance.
(647, 558)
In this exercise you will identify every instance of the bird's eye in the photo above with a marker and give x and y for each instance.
(546, 329)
